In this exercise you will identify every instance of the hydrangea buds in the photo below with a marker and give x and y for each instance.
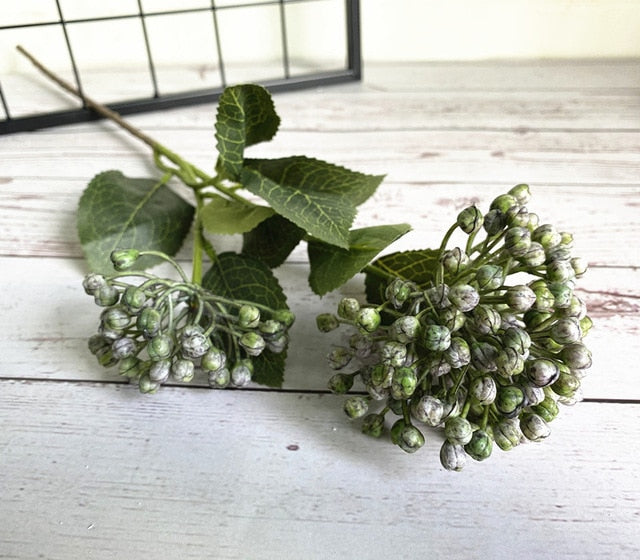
(348, 308)
(480, 446)
(373, 425)
(428, 410)
(470, 220)
(368, 319)
(458, 430)
(124, 259)
(453, 456)
(534, 427)
(355, 407)
(248, 317)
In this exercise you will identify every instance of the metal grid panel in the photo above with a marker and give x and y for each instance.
(219, 33)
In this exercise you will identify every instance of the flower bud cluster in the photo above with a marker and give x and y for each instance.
(486, 350)
(155, 329)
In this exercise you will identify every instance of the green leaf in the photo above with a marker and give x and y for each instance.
(332, 266)
(118, 212)
(420, 266)
(246, 116)
(242, 277)
(226, 216)
(272, 240)
(317, 196)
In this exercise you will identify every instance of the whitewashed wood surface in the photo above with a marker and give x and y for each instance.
(89, 468)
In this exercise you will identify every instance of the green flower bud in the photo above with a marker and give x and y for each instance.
(404, 329)
(534, 257)
(159, 370)
(507, 433)
(547, 409)
(193, 342)
(396, 430)
(519, 217)
(241, 373)
(504, 203)
(220, 378)
(534, 427)
(579, 266)
(214, 360)
(489, 277)
(576, 356)
(149, 322)
(340, 383)
(562, 295)
(129, 367)
(517, 241)
(533, 395)
(124, 259)
(509, 362)
(326, 322)
(339, 357)
(576, 308)
(277, 345)
(428, 410)
(437, 296)
(348, 308)
(436, 338)
(183, 370)
(106, 358)
(464, 297)
(284, 317)
(124, 347)
(393, 353)
(483, 357)
(470, 220)
(133, 298)
(271, 328)
(252, 343)
(356, 406)
(106, 295)
(368, 319)
(518, 339)
(248, 316)
(382, 375)
(483, 389)
(558, 253)
(485, 320)
(373, 425)
(559, 271)
(403, 382)
(541, 372)
(566, 384)
(535, 320)
(458, 430)
(436, 365)
(453, 456)
(398, 292)
(521, 193)
(566, 330)
(544, 297)
(452, 318)
(160, 347)
(585, 325)
(458, 354)
(520, 298)
(362, 345)
(410, 439)
(98, 344)
(93, 282)
(453, 261)
(494, 222)
(147, 385)
(534, 221)
(547, 236)
(510, 400)
(377, 393)
(480, 446)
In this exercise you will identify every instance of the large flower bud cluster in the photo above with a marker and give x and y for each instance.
(155, 329)
(486, 350)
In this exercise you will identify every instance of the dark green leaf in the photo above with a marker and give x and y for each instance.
(419, 266)
(246, 116)
(317, 196)
(332, 266)
(117, 212)
(225, 216)
(272, 240)
(245, 278)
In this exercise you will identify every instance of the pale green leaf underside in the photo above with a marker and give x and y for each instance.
(332, 266)
(118, 212)
(245, 116)
(224, 216)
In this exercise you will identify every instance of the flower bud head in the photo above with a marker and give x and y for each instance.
(410, 439)
(436, 338)
(566, 331)
(124, 347)
(560, 271)
(541, 372)
(284, 317)
(545, 300)
(193, 342)
(562, 295)
(252, 343)
(428, 410)
(534, 427)
(129, 367)
(470, 220)
(148, 385)
(93, 282)
(149, 322)
(183, 370)
(241, 373)
(403, 382)
(480, 446)
(339, 357)
(124, 259)
(106, 295)
(483, 389)
(340, 383)
(485, 319)
(398, 292)
(535, 255)
(547, 409)
(509, 362)
(509, 400)
(220, 378)
(214, 360)
(393, 353)
(547, 236)
(98, 344)
(356, 406)
(133, 298)
(278, 344)
(494, 222)
(504, 203)
(404, 329)
(382, 375)
(248, 316)
(373, 425)
(115, 318)
(566, 384)
(520, 298)
(489, 277)
(458, 354)
(438, 296)
(452, 318)
(576, 356)
(160, 347)
(507, 434)
(579, 266)
(533, 395)
(521, 193)
(368, 319)
(517, 241)
(483, 357)
(327, 322)
(454, 260)
(453, 456)
(159, 370)
(464, 297)
(585, 325)
(458, 430)
(348, 308)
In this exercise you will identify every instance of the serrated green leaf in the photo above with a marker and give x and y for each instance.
(226, 216)
(118, 212)
(272, 240)
(420, 266)
(242, 277)
(332, 266)
(245, 116)
(315, 195)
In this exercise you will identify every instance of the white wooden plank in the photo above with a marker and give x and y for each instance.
(48, 319)
(236, 475)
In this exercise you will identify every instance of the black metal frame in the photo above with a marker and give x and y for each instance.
(352, 71)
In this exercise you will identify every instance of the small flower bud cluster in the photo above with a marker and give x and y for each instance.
(157, 329)
(484, 357)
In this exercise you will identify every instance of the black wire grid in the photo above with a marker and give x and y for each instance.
(284, 80)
